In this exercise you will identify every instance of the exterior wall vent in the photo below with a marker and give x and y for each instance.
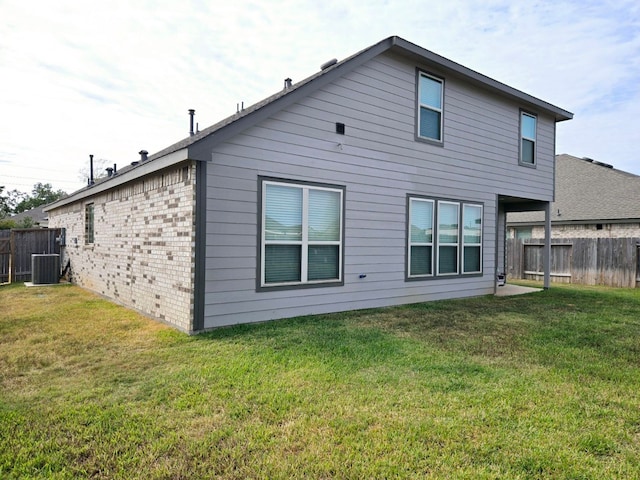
(45, 269)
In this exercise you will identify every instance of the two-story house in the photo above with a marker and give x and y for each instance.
(383, 179)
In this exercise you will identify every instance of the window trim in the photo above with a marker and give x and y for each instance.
(438, 142)
(435, 266)
(522, 137)
(304, 242)
(89, 224)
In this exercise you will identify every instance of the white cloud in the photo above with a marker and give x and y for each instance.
(114, 77)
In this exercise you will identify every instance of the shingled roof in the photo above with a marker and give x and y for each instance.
(36, 214)
(588, 191)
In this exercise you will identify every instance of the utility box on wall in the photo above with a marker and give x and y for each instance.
(45, 269)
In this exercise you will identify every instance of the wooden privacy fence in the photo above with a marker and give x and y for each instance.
(17, 246)
(589, 261)
(5, 255)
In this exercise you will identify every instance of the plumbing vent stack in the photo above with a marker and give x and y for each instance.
(192, 112)
(91, 182)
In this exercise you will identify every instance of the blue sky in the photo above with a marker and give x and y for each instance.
(113, 78)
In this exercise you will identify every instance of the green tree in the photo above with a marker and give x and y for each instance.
(9, 201)
(4, 204)
(41, 194)
(7, 224)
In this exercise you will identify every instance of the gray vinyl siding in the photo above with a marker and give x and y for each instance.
(379, 163)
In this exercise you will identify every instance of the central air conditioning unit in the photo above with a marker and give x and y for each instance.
(45, 269)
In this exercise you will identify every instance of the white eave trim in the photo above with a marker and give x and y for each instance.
(140, 170)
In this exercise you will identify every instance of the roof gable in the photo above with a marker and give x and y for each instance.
(200, 143)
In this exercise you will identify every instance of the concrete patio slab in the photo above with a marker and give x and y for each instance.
(509, 290)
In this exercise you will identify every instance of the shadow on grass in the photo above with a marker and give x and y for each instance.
(594, 329)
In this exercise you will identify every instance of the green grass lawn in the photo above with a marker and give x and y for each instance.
(545, 385)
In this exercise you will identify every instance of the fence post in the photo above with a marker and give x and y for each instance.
(12, 263)
(546, 255)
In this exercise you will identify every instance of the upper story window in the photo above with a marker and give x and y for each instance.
(528, 128)
(430, 103)
(88, 223)
(446, 234)
(301, 235)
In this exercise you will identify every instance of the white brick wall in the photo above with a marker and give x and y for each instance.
(142, 255)
(608, 230)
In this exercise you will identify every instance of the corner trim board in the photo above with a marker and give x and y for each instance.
(200, 246)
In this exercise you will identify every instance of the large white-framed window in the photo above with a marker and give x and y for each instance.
(528, 132)
(420, 248)
(430, 107)
(444, 237)
(89, 223)
(301, 238)
(471, 238)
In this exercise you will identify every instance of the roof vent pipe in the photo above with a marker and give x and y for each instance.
(91, 182)
(109, 171)
(287, 83)
(143, 154)
(115, 170)
(192, 112)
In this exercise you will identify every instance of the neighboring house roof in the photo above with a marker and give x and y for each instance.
(588, 191)
(198, 147)
(37, 214)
